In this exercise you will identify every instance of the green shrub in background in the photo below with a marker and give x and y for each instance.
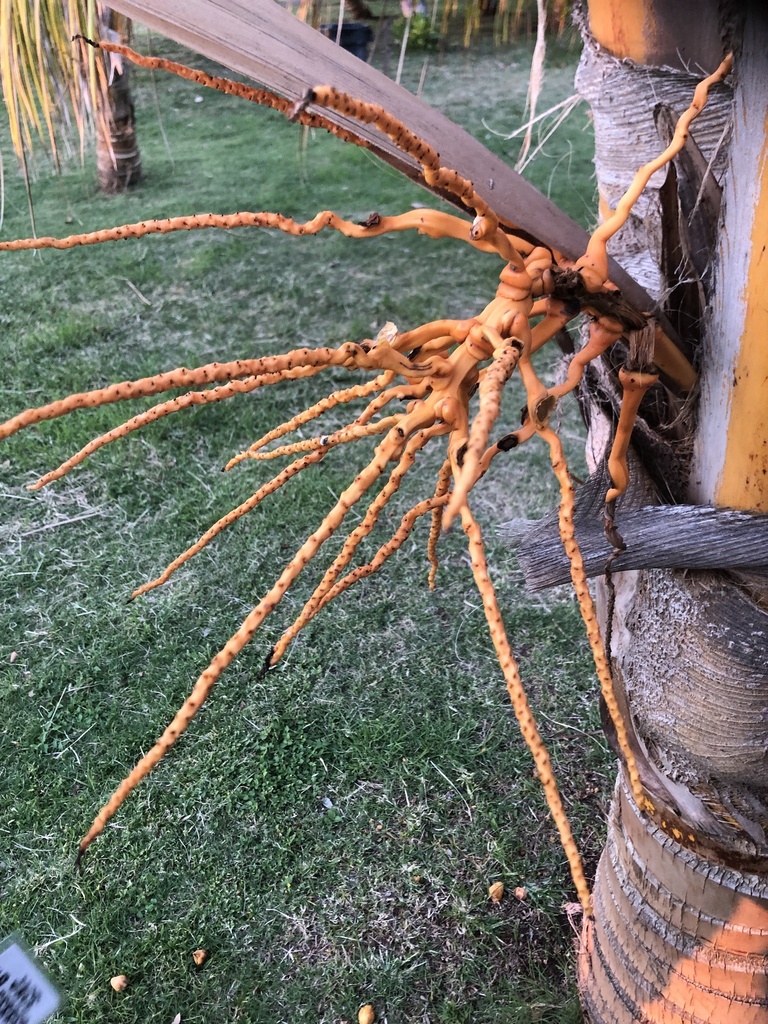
(422, 36)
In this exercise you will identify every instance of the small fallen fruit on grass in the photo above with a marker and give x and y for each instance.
(521, 892)
(366, 1014)
(200, 956)
(496, 891)
(119, 982)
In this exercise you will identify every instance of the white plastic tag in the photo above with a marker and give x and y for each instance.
(27, 996)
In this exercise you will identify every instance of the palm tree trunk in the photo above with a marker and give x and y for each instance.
(680, 927)
(676, 937)
(118, 160)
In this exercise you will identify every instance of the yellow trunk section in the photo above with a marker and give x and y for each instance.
(744, 480)
(683, 34)
(623, 27)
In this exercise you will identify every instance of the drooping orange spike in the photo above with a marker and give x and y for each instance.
(587, 608)
(236, 643)
(324, 405)
(382, 357)
(492, 382)
(192, 398)
(602, 334)
(352, 432)
(444, 478)
(433, 223)
(634, 385)
(353, 541)
(386, 550)
(521, 707)
(181, 378)
(263, 97)
(221, 524)
(400, 392)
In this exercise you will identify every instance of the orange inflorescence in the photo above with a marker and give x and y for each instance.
(435, 368)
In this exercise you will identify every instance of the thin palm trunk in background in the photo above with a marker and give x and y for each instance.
(58, 91)
(118, 160)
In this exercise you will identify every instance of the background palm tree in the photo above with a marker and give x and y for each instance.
(59, 91)
(118, 160)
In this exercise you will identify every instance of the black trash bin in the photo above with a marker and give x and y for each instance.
(356, 37)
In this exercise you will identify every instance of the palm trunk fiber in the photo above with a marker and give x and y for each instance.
(675, 939)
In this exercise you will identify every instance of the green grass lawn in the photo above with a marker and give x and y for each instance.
(328, 832)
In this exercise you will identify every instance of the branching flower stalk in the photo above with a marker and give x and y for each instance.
(436, 368)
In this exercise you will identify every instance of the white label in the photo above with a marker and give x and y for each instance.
(26, 994)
